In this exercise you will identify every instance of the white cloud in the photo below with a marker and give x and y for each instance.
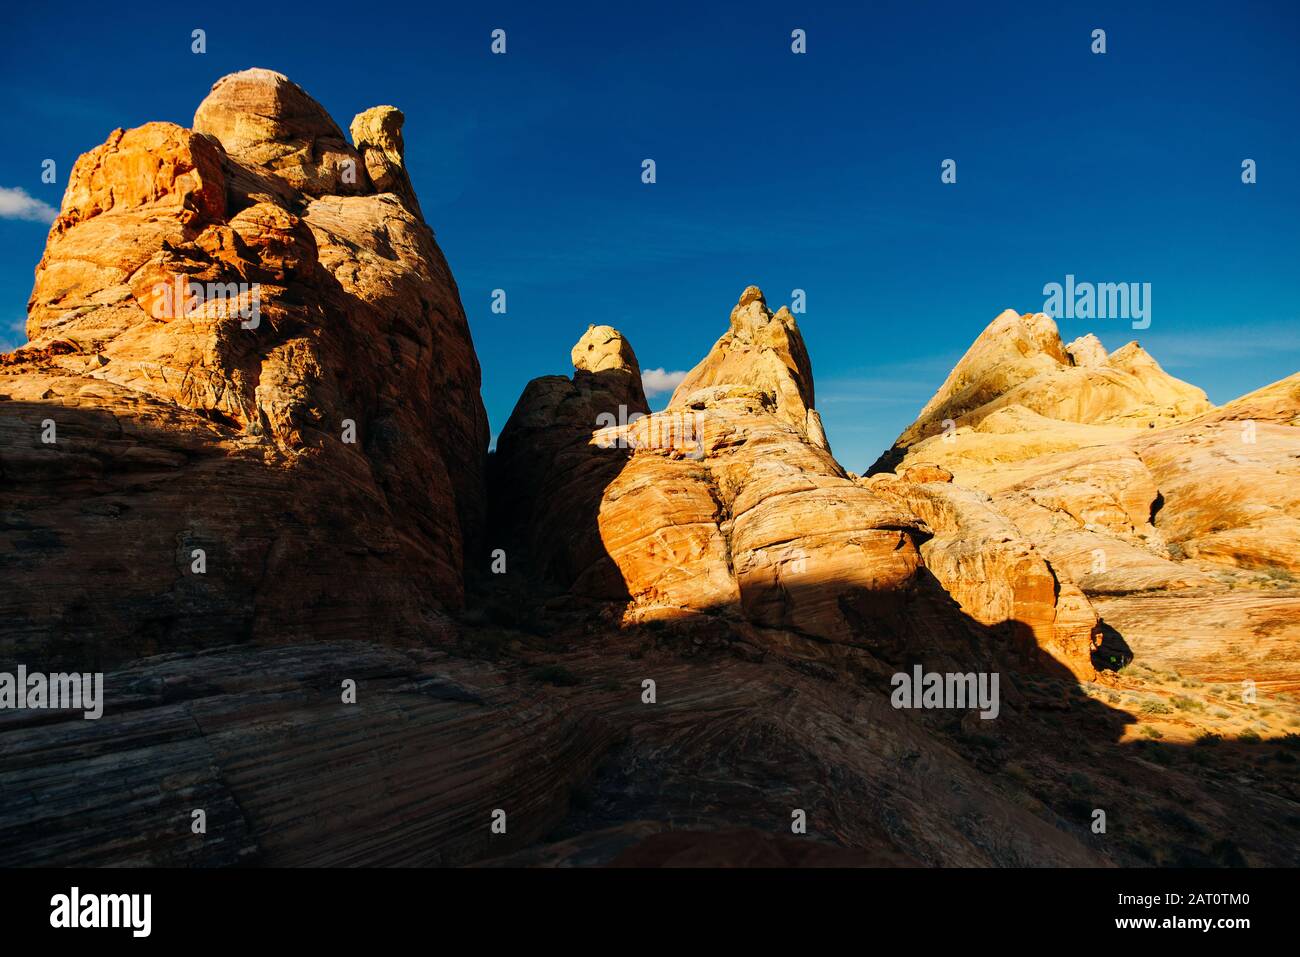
(1193, 348)
(14, 335)
(16, 204)
(656, 381)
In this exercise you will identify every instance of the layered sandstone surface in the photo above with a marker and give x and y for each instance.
(994, 572)
(294, 451)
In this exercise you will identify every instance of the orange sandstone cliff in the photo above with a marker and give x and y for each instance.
(244, 467)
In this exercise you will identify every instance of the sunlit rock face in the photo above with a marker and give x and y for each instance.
(1020, 392)
(1177, 520)
(263, 394)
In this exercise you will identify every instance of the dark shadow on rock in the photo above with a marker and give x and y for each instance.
(547, 479)
(752, 720)
(1055, 748)
(100, 533)
(1112, 653)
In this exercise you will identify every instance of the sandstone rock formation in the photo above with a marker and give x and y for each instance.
(271, 125)
(996, 575)
(548, 476)
(729, 504)
(377, 133)
(1277, 402)
(1021, 392)
(590, 775)
(239, 347)
(184, 510)
(1177, 520)
(411, 774)
(1116, 470)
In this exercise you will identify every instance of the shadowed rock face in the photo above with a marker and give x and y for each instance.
(548, 477)
(310, 419)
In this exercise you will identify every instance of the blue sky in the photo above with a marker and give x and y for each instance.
(819, 172)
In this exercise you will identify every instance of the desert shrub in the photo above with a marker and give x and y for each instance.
(1079, 781)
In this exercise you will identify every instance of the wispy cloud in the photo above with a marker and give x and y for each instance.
(657, 381)
(916, 398)
(1190, 349)
(902, 382)
(16, 204)
(13, 334)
